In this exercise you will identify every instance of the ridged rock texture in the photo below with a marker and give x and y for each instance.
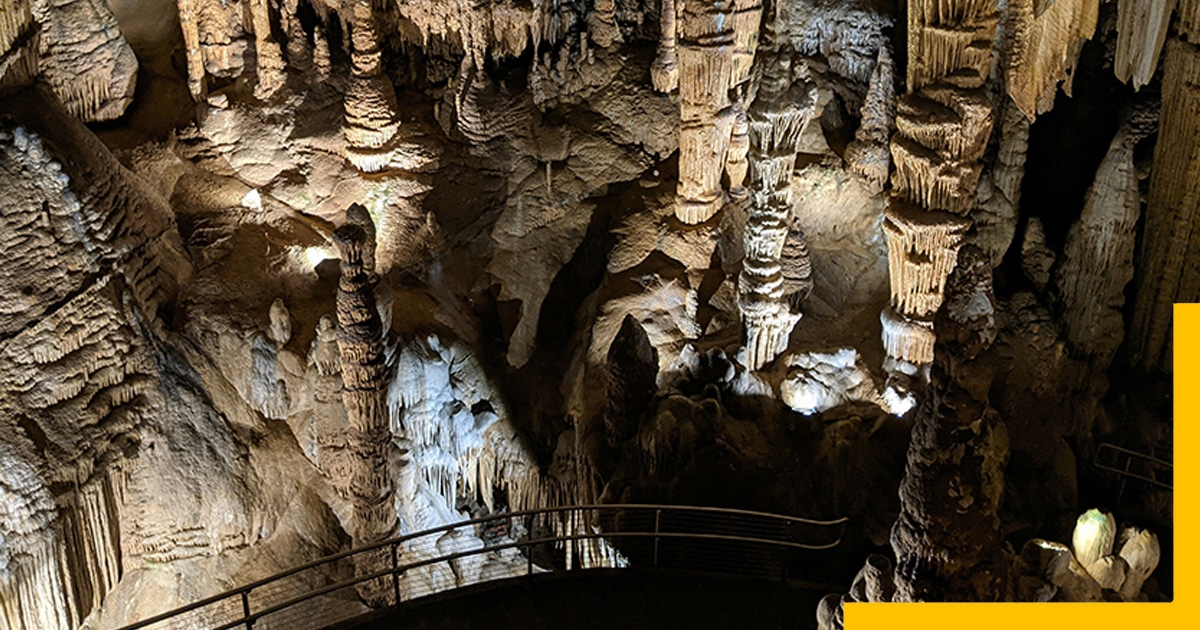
(1045, 48)
(371, 117)
(942, 128)
(1166, 272)
(1100, 246)
(779, 114)
(716, 45)
(364, 381)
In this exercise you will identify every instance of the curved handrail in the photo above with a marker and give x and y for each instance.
(396, 570)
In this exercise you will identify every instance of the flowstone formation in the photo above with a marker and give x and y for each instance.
(291, 277)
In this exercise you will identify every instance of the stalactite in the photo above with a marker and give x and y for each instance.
(867, 155)
(943, 125)
(1045, 49)
(664, 73)
(1165, 271)
(1141, 32)
(15, 20)
(950, 40)
(716, 44)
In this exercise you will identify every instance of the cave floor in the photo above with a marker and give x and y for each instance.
(610, 599)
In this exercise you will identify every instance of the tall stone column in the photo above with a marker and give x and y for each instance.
(779, 114)
(942, 129)
(716, 45)
(364, 381)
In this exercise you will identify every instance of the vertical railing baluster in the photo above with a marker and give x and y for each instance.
(246, 610)
(657, 524)
(395, 573)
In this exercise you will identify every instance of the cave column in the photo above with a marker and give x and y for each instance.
(942, 129)
(364, 381)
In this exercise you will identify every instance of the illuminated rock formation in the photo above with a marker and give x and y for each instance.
(779, 114)
(364, 380)
(942, 129)
(716, 44)
(1141, 31)
(664, 73)
(270, 67)
(1045, 49)
(868, 154)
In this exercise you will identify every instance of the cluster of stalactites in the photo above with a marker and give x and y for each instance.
(714, 44)
(364, 380)
(767, 293)
(1046, 41)
(211, 32)
(942, 128)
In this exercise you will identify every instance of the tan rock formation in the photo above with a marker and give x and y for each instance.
(868, 154)
(364, 382)
(947, 537)
(270, 67)
(942, 129)
(1098, 257)
(664, 73)
(1045, 48)
(372, 119)
(1165, 275)
(779, 113)
(716, 51)
(1141, 31)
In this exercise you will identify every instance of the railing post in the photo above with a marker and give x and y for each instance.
(395, 573)
(657, 524)
(246, 610)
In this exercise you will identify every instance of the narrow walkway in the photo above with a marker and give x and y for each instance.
(607, 599)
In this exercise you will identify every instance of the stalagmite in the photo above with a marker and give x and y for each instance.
(1098, 256)
(779, 113)
(270, 60)
(868, 154)
(947, 537)
(189, 22)
(1045, 49)
(364, 381)
(281, 323)
(372, 119)
(1166, 271)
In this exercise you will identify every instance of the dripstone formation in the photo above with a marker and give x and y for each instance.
(286, 278)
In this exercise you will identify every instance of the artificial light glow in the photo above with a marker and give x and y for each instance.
(252, 200)
(316, 255)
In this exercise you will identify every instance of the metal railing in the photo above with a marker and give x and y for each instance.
(1134, 465)
(331, 590)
